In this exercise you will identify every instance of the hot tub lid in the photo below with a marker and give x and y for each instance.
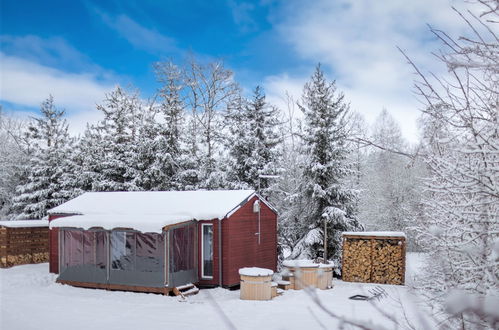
(255, 271)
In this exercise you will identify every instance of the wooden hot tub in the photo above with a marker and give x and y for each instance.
(256, 283)
(308, 273)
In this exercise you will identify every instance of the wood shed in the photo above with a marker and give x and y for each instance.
(23, 242)
(374, 257)
(161, 241)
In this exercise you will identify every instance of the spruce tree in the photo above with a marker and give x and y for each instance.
(169, 149)
(239, 145)
(331, 202)
(112, 146)
(264, 123)
(49, 154)
(253, 140)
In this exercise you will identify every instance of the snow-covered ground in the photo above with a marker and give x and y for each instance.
(30, 299)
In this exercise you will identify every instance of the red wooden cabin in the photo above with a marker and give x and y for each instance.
(155, 241)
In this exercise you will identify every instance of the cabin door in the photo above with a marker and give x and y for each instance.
(183, 255)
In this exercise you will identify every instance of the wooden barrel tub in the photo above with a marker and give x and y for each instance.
(256, 283)
(325, 277)
(307, 273)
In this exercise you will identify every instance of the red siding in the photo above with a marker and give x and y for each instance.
(240, 244)
(54, 244)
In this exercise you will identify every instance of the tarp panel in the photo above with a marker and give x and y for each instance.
(183, 256)
(137, 259)
(84, 256)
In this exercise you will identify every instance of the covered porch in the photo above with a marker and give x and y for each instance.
(126, 259)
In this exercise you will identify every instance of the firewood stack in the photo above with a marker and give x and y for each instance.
(372, 257)
(20, 246)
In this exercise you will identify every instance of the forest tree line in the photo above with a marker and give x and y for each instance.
(200, 132)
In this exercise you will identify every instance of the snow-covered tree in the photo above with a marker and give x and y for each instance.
(160, 133)
(390, 194)
(190, 175)
(239, 145)
(171, 151)
(329, 202)
(288, 197)
(110, 146)
(210, 90)
(461, 139)
(49, 154)
(12, 156)
(252, 142)
(264, 122)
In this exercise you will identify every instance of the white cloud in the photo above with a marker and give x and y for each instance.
(25, 84)
(357, 41)
(78, 121)
(276, 88)
(139, 36)
(241, 14)
(51, 51)
(367, 103)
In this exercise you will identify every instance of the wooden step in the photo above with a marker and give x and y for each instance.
(284, 285)
(185, 290)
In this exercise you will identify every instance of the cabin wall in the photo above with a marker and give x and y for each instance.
(240, 242)
(54, 244)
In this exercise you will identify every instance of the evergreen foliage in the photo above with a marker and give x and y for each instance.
(43, 186)
(252, 142)
(328, 199)
(111, 160)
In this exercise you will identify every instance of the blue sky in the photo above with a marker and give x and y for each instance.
(78, 50)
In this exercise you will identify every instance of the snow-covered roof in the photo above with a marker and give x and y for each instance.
(24, 223)
(375, 233)
(255, 271)
(147, 211)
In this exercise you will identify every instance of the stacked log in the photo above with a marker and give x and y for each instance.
(3, 247)
(373, 259)
(25, 245)
(387, 260)
(357, 263)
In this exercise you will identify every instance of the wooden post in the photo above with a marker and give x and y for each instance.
(325, 241)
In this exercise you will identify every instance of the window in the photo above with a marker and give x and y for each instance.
(122, 250)
(182, 256)
(73, 248)
(137, 252)
(84, 248)
(207, 250)
(94, 248)
(149, 252)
